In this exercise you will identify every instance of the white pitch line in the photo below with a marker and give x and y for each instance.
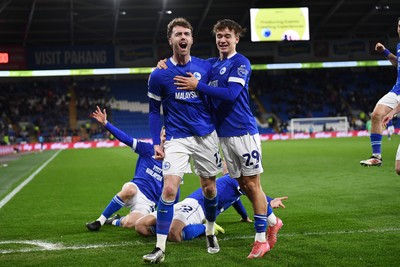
(18, 188)
(46, 246)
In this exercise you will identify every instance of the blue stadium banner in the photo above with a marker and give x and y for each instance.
(71, 57)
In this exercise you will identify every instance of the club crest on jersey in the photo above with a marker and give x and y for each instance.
(222, 71)
(166, 165)
(197, 75)
(242, 71)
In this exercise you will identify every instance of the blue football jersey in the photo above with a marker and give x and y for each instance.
(148, 174)
(396, 87)
(185, 112)
(228, 193)
(232, 118)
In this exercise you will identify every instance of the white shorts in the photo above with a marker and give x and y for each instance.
(204, 151)
(243, 155)
(398, 153)
(390, 100)
(188, 211)
(139, 203)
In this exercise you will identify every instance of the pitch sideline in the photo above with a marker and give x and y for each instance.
(22, 185)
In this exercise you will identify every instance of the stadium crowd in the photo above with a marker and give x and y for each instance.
(42, 107)
(49, 108)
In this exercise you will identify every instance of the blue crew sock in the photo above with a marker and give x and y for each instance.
(376, 143)
(165, 212)
(260, 223)
(210, 206)
(115, 205)
(269, 210)
(192, 231)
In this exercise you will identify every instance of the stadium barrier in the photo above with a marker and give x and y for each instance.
(4, 150)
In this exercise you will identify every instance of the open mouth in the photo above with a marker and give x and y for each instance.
(183, 45)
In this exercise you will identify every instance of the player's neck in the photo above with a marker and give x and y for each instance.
(223, 56)
(181, 59)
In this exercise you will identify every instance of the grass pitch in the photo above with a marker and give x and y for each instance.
(338, 213)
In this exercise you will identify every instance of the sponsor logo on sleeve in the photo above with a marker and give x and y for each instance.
(242, 71)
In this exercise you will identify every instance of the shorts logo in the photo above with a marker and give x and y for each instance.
(222, 71)
(166, 165)
(197, 75)
(242, 71)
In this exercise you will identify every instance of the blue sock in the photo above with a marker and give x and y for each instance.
(269, 210)
(210, 206)
(165, 212)
(376, 143)
(115, 205)
(260, 223)
(192, 231)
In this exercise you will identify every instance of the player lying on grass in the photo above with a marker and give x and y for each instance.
(141, 193)
(189, 214)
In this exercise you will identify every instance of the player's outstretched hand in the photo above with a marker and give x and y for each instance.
(100, 116)
(278, 202)
(379, 47)
(246, 220)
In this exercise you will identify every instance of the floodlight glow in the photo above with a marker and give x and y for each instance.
(147, 70)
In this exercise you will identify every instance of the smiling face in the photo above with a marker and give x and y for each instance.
(181, 41)
(226, 41)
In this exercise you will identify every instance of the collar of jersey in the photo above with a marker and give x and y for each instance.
(176, 63)
(229, 56)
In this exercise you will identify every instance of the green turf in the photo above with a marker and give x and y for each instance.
(338, 213)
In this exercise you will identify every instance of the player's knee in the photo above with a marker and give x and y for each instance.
(169, 192)
(128, 224)
(398, 170)
(175, 235)
(377, 116)
(142, 229)
(209, 191)
(128, 190)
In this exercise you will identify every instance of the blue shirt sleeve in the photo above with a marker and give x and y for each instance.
(155, 120)
(155, 99)
(120, 135)
(228, 94)
(238, 205)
